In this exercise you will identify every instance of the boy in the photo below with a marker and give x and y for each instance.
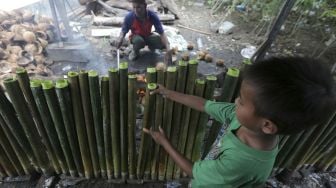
(277, 96)
(140, 22)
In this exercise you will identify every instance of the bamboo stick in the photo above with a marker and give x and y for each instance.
(97, 118)
(85, 93)
(20, 106)
(151, 75)
(80, 123)
(56, 115)
(23, 79)
(131, 125)
(204, 117)
(27, 167)
(166, 166)
(158, 122)
(123, 83)
(192, 75)
(229, 86)
(145, 139)
(104, 84)
(170, 81)
(64, 99)
(10, 153)
(194, 119)
(6, 164)
(115, 119)
(36, 88)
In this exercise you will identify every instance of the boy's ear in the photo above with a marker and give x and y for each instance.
(269, 127)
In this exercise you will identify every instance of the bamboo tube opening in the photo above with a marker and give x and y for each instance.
(171, 69)
(105, 78)
(151, 86)
(123, 65)
(211, 77)
(200, 81)
(151, 69)
(183, 63)
(113, 70)
(47, 84)
(93, 73)
(234, 72)
(193, 62)
(35, 83)
(20, 70)
(10, 79)
(132, 76)
(247, 62)
(61, 83)
(72, 74)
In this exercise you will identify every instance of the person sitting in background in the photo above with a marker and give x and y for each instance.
(278, 96)
(140, 22)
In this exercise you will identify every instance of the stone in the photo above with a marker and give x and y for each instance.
(225, 27)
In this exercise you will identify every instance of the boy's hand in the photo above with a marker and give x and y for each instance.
(158, 136)
(160, 90)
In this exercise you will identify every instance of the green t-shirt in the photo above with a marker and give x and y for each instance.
(237, 165)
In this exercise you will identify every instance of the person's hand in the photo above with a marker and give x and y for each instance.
(158, 136)
(160, 90)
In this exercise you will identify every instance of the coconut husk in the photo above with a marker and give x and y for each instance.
(17, 28)
(13, 58)
(28, 16)
(220, 62)
(41, 35)
(201, 55)
(208, 58)
(7, 23)
(5, 67)
(34, 48)
(185, 56)
(50, 36)
(25, 58)
(39, 59)
(3, 54)
(14, 49)
(44, 43)
(29, 36)
(161, 66)
(190, 47)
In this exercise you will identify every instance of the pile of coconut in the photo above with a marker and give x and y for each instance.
(23, 40)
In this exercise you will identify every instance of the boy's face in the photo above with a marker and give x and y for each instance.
(139, 9)
(245, 109)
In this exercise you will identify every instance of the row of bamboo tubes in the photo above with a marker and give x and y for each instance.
(84, 126)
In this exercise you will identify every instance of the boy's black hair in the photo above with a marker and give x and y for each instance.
(293, 92)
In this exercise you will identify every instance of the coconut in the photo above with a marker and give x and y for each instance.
(14, 49)
(220, 62)
(27, 16)
(39, 59)
(5, 67)
(29, 36)
(3, 54)
(185, 56)
(201, 55)
(25, 58)
(190, 47)
(34, 48)
(13, 58)
(43, 42)
(41, 34)
(161, 66)
(208, 58)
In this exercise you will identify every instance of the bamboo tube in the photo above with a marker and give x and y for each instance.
(166, 166)
(192, 75)
(36, 88)
(23, 79)
(123, 83)
(56, 116)
(6, 164)
(229, 86)
(145, 139)
(293, 160)
(151, 75)
(131, 125)
(10, 153)
(170, 81)
(158, 122)
(104, 84)
(80, 123)
(64, 100)
(20, 106)
(203, 120)
(85, 93)
(115, 119)
(194, 119)
(28, 169)
(245, 64)
(320, 138)
(287, 149)
(97, 118)
(2, 172)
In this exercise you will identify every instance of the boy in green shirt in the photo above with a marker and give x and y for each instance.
(277, 96)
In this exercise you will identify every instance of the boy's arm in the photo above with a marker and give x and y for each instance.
(160, 138)
(191, 101)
